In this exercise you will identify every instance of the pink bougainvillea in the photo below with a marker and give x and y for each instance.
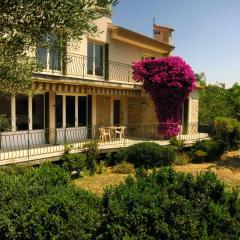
(169, 81)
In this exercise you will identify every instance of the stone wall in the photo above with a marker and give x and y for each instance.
(194, 110)
(103, 110)
(141, 110)
(193, 118)
(134, 110)
(148, 111)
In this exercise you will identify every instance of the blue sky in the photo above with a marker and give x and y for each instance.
(207, 32)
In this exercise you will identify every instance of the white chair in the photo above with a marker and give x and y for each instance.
(104, 134)
(120, 131)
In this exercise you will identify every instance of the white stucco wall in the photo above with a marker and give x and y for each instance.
(118, 51)
(125, 53)
(102, 37)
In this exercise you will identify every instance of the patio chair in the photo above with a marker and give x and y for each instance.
(120, 131)
(104, 133)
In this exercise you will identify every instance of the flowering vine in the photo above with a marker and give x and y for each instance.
(169, 81)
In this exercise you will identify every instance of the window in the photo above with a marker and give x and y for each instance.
(95, 56)
(49, 56)
(145, 57)
(82, 111)
(22, 112)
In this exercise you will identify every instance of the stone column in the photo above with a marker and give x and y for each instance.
(193, 111)
(52, 117)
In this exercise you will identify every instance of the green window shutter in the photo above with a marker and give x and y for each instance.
(106, 63)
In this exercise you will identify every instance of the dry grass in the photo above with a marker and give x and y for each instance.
(98, 182)
(227, 169)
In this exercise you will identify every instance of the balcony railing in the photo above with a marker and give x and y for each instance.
(47, 143)
(83, 67)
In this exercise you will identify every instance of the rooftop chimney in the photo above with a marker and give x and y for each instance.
(162, 34)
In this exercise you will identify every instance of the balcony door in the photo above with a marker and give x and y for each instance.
(71, 118)
(48, 54)
(95, 59)
(116, 112)
(70, 111)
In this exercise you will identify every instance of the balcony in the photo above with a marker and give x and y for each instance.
(76, 66)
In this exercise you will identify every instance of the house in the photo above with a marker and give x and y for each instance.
(91, 87)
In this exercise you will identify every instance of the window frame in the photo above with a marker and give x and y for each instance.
(93, 59)
(48, 55)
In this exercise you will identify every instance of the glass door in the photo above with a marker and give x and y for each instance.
(70, 111)
(116, 112)
(95, 59)
(71, 118)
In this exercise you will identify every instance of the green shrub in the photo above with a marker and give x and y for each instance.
(100, 167)
(124, 168)
(200, 156)
(179, 144)
(91, 149)
(208, 150)
(15, 169)
(183, 158)
(74, 162)
(170, 205)
(4, 123)
(117, 157)
(151, 155)
(42, 204)
(227, 129)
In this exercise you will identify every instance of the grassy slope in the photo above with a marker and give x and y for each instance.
(227, 169)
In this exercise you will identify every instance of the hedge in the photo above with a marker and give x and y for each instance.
(150, 155)
(170, 205)
(227, 129)
(209, 150)
(42, 204)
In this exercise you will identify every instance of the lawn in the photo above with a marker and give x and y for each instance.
(227, 169)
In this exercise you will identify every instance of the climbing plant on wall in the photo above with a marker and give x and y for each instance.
(169, 81)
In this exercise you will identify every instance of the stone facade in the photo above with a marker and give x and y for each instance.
(134, 110)
(193, 118)
(194, 110)
(141, 110)
(103, 110)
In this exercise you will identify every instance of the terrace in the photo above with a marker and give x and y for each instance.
(51, 144)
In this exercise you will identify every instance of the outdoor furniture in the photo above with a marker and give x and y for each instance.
(104, 133)
(119, 132)
(107, 133)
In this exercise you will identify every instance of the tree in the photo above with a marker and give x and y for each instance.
(234, 100)
(214, 102)
(201, 78)
(24, 22)
(217, 101)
